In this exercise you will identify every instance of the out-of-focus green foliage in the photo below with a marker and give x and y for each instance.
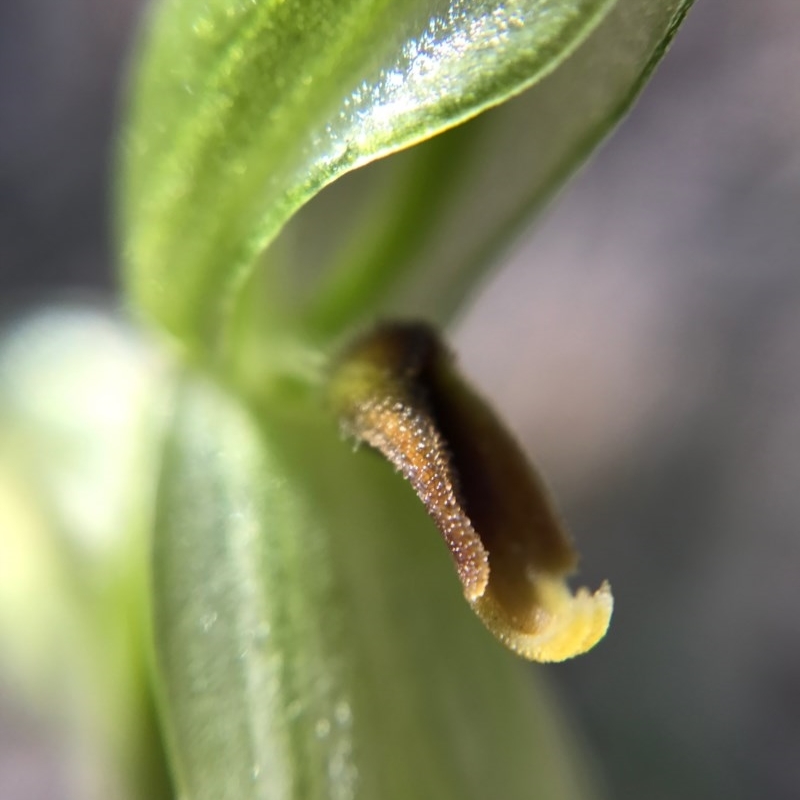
(79, 417)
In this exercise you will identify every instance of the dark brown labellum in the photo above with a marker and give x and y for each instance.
(397, 390)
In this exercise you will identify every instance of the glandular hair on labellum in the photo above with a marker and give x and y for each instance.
(396, 389)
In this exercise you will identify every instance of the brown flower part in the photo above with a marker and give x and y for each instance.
(396, 389)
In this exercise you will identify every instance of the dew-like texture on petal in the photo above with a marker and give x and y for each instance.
(242, 111)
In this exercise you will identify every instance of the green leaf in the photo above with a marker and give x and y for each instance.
(244, 110)
(312, 635)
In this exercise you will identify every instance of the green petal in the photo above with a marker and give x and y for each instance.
(312, 636)
(243, 110)
(414, 234)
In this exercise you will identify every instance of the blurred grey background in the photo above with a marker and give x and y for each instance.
(644, 340)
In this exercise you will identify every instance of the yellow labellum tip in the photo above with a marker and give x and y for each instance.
(566, 625)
